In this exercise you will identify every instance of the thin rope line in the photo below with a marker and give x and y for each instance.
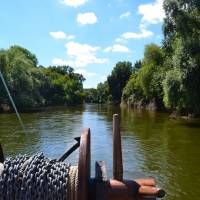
(12, 102)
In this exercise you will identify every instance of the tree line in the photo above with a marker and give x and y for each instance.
(168, 75)
(33, 86)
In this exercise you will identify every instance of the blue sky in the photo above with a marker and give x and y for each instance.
(89, 35)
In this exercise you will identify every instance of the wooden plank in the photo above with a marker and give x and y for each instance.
(84, 166)
(117, 150)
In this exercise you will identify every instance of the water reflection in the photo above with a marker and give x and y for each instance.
(153, 144)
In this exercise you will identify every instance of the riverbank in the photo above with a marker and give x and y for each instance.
(153, 107)
(6, 108)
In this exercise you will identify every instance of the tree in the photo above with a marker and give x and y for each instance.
(3, 66)
(184, 43)
(32, 86)
(63, 86)
(153, 54)
(137, 66)
(20, 51)
(118, 79)
(174, 90)
(91, 95)
(102, 92)
(19, 67)
(132, 92)
(145, 85)
(99, 95)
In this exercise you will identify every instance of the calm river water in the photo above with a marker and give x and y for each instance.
(153, 144)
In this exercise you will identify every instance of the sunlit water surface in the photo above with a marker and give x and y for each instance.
(153, 144)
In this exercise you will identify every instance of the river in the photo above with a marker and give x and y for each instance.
(153, 144)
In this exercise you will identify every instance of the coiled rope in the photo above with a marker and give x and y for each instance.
(37, 178)
(73, 183)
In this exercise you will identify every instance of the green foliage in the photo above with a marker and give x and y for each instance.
(173, 89)
(32, 86)
(91, 95)
(21, 76)
(102, 92)
(133, 91)
(153, 55)
(152, 73)
(99, 95)
(3, 66)
(146, 83)
(118, 79)
(63, 86)
(184, 41)
(137, 66)
(111, 90)
(21, 53)
(172, 73)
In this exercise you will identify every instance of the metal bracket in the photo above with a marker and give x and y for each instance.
(71, 150)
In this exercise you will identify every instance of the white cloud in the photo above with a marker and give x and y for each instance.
(83, 54)
(117, 48)
(70, 37)
(152, 13)
(61, 35)
(120, 40)
(60, 62)
(76, 49)
(126, 14)
(85, 73)
(143, 34)
(58, 35)
(87, 18)
(107, 49)
(74, 3)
